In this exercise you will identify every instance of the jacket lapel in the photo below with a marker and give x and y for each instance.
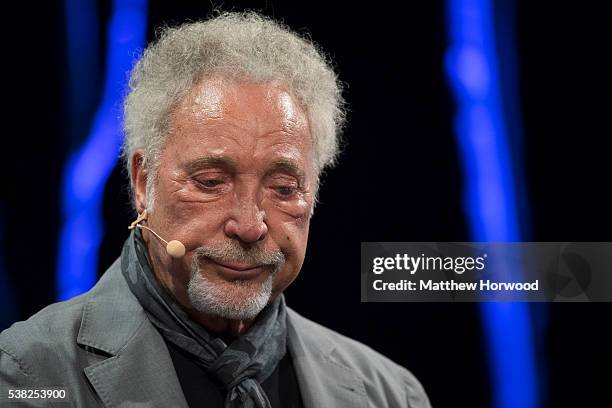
(323, 381)
(138, 368)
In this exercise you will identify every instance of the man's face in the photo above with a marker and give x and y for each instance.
(235, 184)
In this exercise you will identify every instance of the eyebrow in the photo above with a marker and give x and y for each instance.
(210, 161)
(279, 166)
(287, 167)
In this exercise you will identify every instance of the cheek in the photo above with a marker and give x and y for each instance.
(296, 209)
(292, 239)
(298, 239)
(194, 223)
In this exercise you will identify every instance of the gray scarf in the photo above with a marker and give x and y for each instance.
(243, 365)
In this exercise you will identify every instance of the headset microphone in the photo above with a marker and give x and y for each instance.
(174, 248)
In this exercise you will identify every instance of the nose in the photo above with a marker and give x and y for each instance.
(247, 222)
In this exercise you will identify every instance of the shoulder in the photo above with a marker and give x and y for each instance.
(50, 322)
(47, 338)
(44, 347)
(379, 373)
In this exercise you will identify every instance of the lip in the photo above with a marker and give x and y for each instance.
(238, 271)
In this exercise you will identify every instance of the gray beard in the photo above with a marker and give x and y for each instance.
(238, 300)
(234, 300)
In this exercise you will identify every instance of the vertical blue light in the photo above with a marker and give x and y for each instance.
(490, 197)
(83, 68)
(88, 168)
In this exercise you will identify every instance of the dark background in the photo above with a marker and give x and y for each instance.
(399, 178)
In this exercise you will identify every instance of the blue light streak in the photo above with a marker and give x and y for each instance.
(490, 195)
(88, 169)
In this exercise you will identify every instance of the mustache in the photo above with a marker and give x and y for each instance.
(231, 252)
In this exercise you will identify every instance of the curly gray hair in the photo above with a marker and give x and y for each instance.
(230, 44)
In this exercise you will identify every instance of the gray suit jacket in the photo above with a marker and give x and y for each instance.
(104, 351)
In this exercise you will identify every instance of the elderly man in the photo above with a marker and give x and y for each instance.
(228, 125)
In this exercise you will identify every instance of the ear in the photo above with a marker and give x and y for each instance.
(139, 180)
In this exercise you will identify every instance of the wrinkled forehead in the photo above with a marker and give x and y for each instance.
(243, 120)
(269, 105)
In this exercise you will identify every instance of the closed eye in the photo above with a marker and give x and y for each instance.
(286, 191)
(210, 183)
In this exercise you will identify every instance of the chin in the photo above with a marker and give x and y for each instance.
(234, 300)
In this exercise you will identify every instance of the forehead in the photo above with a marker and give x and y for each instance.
(222, 113)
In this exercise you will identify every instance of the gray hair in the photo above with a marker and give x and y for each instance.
(233, 45)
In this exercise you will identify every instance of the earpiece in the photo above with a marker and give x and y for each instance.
(174, 248)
